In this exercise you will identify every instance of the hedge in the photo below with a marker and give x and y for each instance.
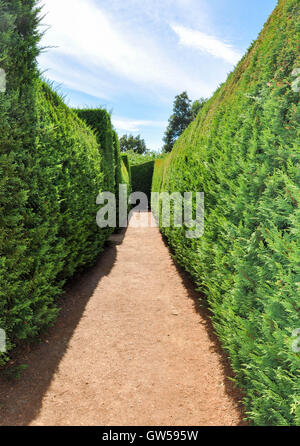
(99, 120)
(127, 165)
(125, 177)
(74, 158)
(122, 171)
(243, 152)
(141, 158)
(18, 50)
(51, 170)
(142, 178)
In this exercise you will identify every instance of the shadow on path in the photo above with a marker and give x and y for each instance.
(200, 305)
(21, 399)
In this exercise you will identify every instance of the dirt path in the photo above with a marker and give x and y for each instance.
(130, 348)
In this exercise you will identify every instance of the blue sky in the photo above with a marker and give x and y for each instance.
(134, 56)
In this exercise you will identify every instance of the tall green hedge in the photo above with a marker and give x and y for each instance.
(243, 151)
(51, 171)
(71, 152)
(158, 174)
(118, 161)
(126, 162)
(142, 178)
(122, 171)
(125, 176)
(116, 168)
(18, 133)
(99, 120)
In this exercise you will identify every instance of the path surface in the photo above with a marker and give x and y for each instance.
(130, 348)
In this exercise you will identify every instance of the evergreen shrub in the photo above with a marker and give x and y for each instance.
(142, 178)
(51, 170)
(243, 152)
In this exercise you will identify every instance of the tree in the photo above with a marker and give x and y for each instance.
(178, 121)
(136, 159)
(184, 112)
(197, 106)
(134, 143)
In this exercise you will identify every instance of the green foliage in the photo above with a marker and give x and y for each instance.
(122, 170)
(125, 176)
(118, 162)
(136, 158)
(142, 178)
(126, 162)
(158, 174)
(62, 178)
(243, 152)
(18, 50)
(197, 106)
(184, 112)
(51, 171)
(72, 163)
(134, 143)
(178, 121)
(99, 120)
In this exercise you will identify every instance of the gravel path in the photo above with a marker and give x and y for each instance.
(131, 347)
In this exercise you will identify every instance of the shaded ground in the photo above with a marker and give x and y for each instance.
(131, 347)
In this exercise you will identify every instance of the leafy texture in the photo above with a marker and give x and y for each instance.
(127, 165)
(99, 121)
(134, 143)
(142, 178)
(243, 151)
(52, 167)
(184, 112)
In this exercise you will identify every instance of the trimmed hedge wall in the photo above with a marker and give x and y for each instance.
(122, 172)
(243, 151)
(116, 168)
(21, 310)
(142, 178)
(99, 120)
(127, 165)
(158, 174)
(71, 152)
(51, 170)
(125, 177)
(122, 169)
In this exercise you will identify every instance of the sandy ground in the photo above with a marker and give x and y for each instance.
(131, 347)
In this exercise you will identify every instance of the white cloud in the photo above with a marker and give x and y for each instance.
(135, 125)
(86, 34)
(207, 44)
(78, 79)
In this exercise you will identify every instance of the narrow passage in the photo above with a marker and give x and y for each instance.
(131, 347)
